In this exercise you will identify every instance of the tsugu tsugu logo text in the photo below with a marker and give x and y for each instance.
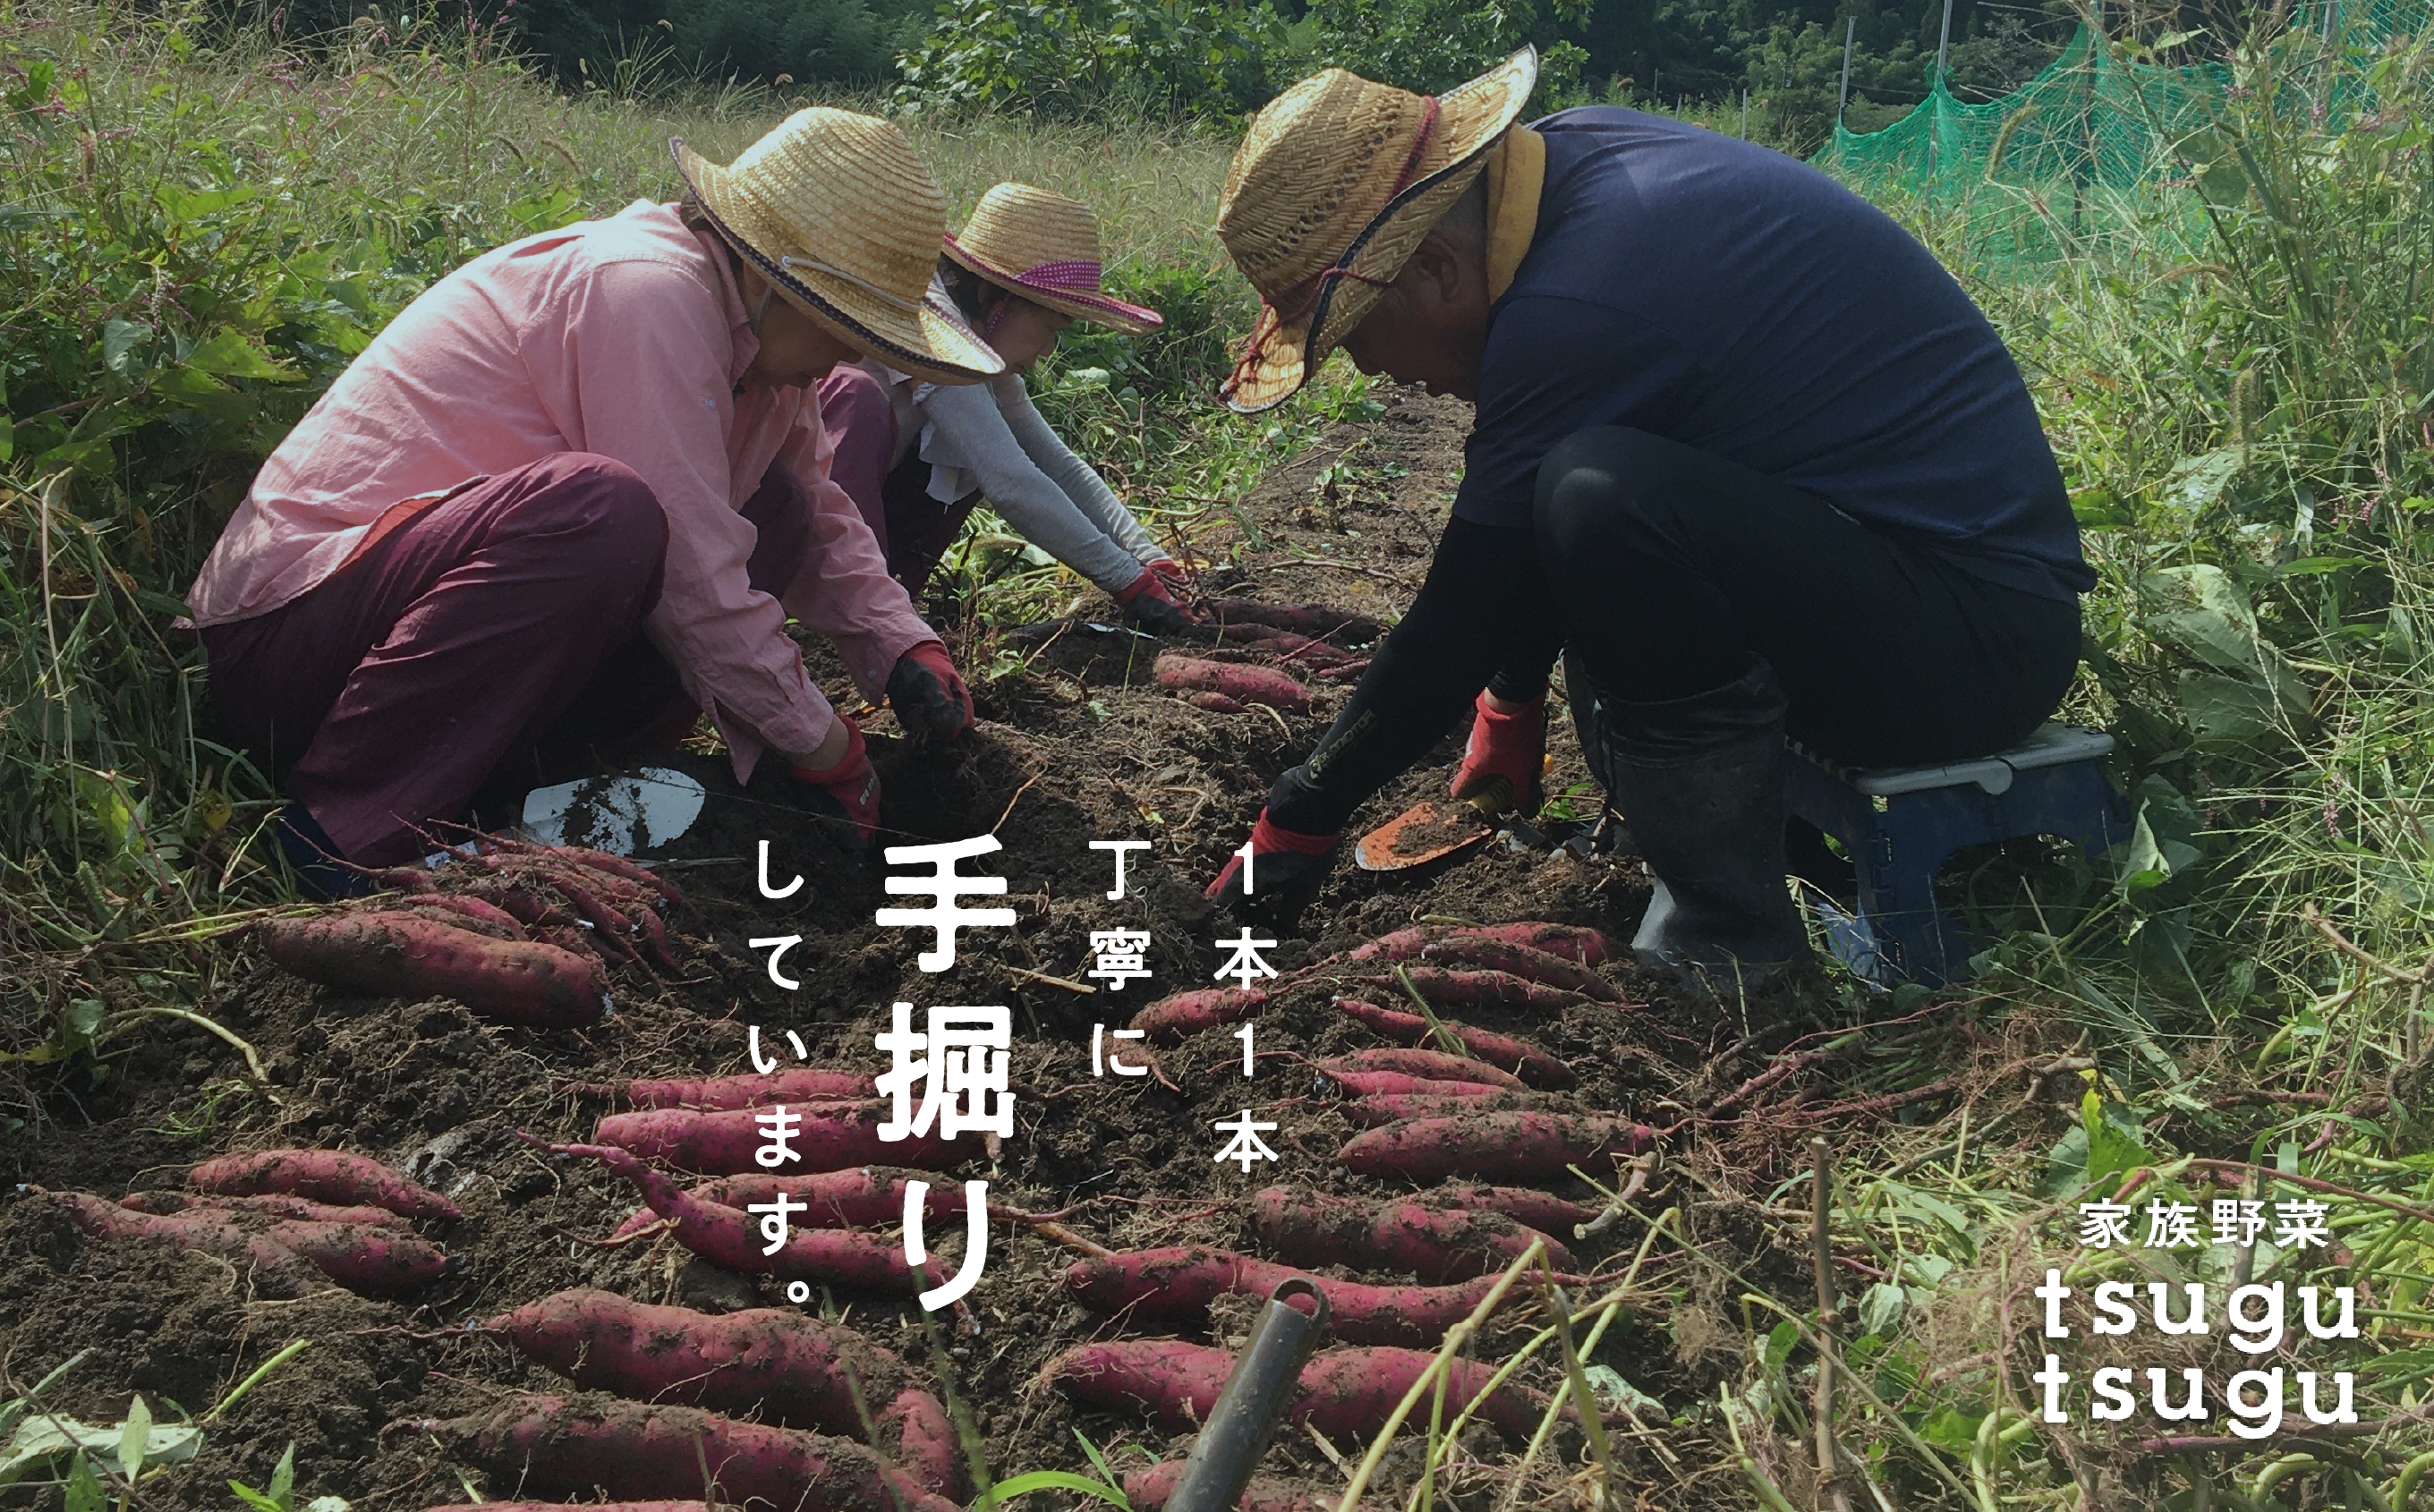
(2265, 1319)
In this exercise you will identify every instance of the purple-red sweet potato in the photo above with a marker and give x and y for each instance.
(1179, 1282)
(1524, 1146)
(1148, 1491)
(271, 1205)
(1435, 1244)
(1244, 684)
(363, 1257)
(1519, 1057)
(1570, 942)
(1377, 1109)
(277, 1268)
(775, 1363)
(724, 1093)
(827, 1137)
(404, 955)
(577, 1446)
(731, 1237)
(864, 1196)
(463, 912)
(1178, 1016)
(1343, 1392)
(1312, 619)
(1421, 1063)
(1442, 988)
(323, 1175)
(1525, 1205)
(1216, 702)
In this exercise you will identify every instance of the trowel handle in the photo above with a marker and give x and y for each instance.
(1256, 1395)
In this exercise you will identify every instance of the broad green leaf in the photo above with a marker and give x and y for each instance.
(231, 354)
(1880, 1308)
(84, 1491)
(282, 1477)
(119, 339)
(134, 1438)
(50, 1435)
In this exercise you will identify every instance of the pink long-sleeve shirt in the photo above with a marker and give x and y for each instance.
(625, 337)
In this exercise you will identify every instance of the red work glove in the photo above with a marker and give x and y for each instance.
(1506, 758)
(1149, 600)
(1287, 870)
(848, 791)
(930, 698)
(1171, 573)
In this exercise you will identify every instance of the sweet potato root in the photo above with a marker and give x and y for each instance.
(275, 1269)
(365, 1258)
(272, 1205)
(1243, 684)
(731, 1237)
(776, 1363)
(1425, 1064)
(1312, 619)
(1524, 1146)
(573, 1446)
(1377, 1109)
(1435, 1244)
(1178, 1016)
(1343, 1392)
(323, 1175)
(404, 955)
(829, 1137)
(1533, 1065)
(722, 1094)
(1440, 987)
(1180, 1281)
(1571, 943)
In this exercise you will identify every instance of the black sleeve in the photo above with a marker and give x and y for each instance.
(1484, 610)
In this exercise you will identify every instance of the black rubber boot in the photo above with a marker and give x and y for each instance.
(1700, 782)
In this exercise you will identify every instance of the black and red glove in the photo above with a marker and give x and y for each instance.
(1150, 600)
(848, 791)
(1287, 870)
(1506, 760)
(1178, 587)
(928, 695)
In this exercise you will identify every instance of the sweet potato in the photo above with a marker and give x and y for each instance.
(1245, 685)
(776, 1363)
(278, 1269)
(1314, 620)
(1434, 1244)
(466, 913)
(1286, 645)
(365, 1258)
(1487, 953)
(720, 1093)
(1216, 702)
(1342, 1392)
(618, 866)
(731, 1237)
(1369, 1085)
(1443, 987)
(323, 1175)
(1432, 1065)
(1571, 943)
(864, 1196)
(1178, 1016)
(1525, 1146)
(403, 954)
(1377, 1109)
(573, 1446)
(1524, 1059)
(272, 1205)
(1148, 1489)
(1525, 1205)
(1179, 1282)
(829, 1137)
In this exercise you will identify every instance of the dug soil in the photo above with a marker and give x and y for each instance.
(1076, 744)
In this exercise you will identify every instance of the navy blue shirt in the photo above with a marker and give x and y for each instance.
(1720, 295)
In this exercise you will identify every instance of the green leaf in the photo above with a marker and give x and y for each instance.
(135, 1437)
(253, 1499)
(8, 437)
(84, 1492)
(119, 339)
(283, 1478)
(1881, 1309)
(1050, 1480)
(231, 354)
(1779, 1344)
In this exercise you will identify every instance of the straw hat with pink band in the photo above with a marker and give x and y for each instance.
(1045, 247)
(837, 211)
(1331, 193)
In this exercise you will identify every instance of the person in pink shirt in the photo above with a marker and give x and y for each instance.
(566, 502)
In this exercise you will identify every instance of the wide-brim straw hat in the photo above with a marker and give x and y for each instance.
(1331, 193)
(834, 210)
(1045, 247)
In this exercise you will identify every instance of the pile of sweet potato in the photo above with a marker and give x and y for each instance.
(520, 933)
(1443, 1105)
(1259, 648)
(293, 1219)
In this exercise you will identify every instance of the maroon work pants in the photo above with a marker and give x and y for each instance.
(489, 639)
(913, 529)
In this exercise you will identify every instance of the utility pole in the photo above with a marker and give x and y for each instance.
(1944, 44)
(1850, 34)
(1935, 94)
(1744, 113)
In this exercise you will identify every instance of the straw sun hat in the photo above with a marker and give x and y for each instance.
(835, 211)
(1045, 247)
(1330, 193)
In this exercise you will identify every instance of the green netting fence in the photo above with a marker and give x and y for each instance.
(2090, 150)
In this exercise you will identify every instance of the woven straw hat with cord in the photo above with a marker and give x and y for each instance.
(1045, 247)
(1331, 192)
(834, 210)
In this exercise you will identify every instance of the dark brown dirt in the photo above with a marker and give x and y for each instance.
(1076, 746)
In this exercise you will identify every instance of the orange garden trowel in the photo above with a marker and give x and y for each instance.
(1432, 831)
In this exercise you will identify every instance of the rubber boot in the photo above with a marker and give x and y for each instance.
(1700, 782)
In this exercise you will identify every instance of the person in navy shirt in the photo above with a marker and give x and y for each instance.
(1744, 455)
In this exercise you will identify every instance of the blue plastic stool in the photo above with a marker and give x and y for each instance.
(1899, 825)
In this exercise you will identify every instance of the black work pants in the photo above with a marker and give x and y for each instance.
(1673, 569)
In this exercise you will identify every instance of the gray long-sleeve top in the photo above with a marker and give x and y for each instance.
(990, 436)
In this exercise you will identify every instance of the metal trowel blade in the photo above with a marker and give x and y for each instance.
(1378, 850)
